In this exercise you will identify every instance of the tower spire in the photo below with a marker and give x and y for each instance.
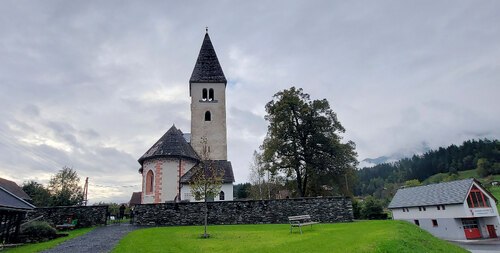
(207, 68)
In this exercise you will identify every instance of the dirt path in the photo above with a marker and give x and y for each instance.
(101, 239)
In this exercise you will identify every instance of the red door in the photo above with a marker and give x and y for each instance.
(471, 229)
(472, 233)
(492, 231)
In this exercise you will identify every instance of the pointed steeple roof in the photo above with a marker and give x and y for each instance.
(207, 68)
(171, 144)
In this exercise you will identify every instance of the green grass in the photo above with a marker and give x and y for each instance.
(37, 247)
(364, 236)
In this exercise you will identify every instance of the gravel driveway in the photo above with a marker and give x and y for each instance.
(101, 239)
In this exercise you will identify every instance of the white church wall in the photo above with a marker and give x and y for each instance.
(227, 188)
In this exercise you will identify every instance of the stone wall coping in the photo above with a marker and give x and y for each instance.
(248, 200)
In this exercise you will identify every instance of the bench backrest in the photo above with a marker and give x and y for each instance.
(299, 217)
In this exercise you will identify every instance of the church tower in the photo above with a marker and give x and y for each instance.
(207, 89)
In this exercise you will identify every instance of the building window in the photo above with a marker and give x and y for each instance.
(442, 207)
(417, 222)
(419, 208)
(204, 96)
(211, 94)
(434, 223)
(221, 195)
(477, 199)
(208, 116)
(187, 196)
(404, 210)
(149, 182)
(423, 208)
(438, 207)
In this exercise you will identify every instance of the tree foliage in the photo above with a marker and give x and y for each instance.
(65, 189)
(303, 141)
(207, 180)
(39, 194)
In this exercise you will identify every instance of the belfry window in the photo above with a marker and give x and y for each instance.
(204, 96)
(221, 195)
(208, 116)
(211, 94)
(149, 182)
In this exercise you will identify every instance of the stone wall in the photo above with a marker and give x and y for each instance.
(87, 215)
(327, 210)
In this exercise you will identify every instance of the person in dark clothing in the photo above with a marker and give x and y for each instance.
(122, 211)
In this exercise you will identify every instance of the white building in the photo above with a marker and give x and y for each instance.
(167, 167)
(454, 210)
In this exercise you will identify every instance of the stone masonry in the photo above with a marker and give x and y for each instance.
(87, 216)
(326, 210)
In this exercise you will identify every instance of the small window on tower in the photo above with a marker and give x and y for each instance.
(211, 94)
(208, 116)
(204, 95)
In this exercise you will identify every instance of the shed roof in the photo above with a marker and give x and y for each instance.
(171, 144)
(10, 201)
(207, 68)
(221, 165)
(13, 188)
(454, 192)
(135, 199)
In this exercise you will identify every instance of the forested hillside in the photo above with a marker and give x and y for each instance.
(383, 180)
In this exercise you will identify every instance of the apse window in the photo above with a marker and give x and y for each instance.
(208, 116)
(149, 182)
(221, 195)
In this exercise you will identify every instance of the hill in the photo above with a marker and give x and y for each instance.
(445, 164)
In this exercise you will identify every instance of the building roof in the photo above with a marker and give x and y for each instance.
(171, 144)
(207, 68)
(9, 201)
(135, 199)
(221, 165)
(454, 192)
(13, 188)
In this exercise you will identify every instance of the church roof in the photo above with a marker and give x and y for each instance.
(207, 68)
(221, 165)
(171, 144)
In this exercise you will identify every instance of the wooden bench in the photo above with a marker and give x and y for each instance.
(71, 225)
(299, 221)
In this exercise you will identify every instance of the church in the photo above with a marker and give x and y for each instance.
(167, 167)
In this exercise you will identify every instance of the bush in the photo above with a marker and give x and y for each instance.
(39, 231)
(373, 209)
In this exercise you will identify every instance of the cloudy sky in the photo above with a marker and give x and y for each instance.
(93, 84)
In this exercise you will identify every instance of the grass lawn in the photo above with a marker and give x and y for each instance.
(37, 247)
(364, 236)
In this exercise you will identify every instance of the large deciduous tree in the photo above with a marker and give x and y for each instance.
(303, 141)
(65, 189)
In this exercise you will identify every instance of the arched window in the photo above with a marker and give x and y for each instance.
(221, 195)
(208, 116)
(150, 178)
(211, 94)
(204, 95)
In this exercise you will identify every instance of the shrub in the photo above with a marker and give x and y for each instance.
(39, 231)
(373, 209)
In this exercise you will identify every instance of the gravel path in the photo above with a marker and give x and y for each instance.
(101, 239)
